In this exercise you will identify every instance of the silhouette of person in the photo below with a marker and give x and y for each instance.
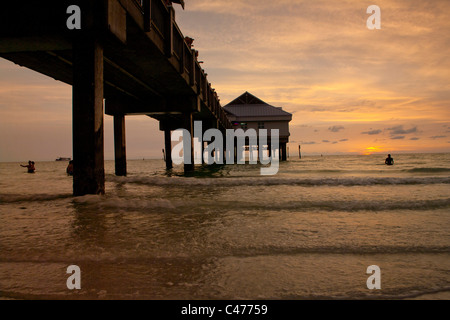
(69, 169)
(30, 166)
(389, 160)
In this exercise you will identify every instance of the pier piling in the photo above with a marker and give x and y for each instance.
(88, 141)
(120, 145)
(283, 152)
(168, 149)
(189, 126)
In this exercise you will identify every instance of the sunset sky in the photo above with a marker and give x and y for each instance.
(350, 89)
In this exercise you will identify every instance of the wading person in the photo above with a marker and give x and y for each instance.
(30, 166)
(69, 169)
(389, 160)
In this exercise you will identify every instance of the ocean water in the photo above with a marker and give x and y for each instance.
(225, 232)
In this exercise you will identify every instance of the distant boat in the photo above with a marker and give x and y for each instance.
(63, 159)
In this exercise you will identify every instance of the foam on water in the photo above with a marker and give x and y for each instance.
(273, 181)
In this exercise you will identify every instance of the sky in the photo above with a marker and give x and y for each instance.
(351, 90)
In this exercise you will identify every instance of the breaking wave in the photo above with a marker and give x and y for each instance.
(178, 205)
(352, 205)
(277, 181)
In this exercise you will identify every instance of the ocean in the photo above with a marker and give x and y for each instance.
(226, 232)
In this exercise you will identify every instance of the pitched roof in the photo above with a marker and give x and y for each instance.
(247, 105)
(246, 98)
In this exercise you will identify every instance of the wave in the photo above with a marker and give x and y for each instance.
(352, 205)
(261, 205)
(270, 250)
(180, 205)
(209, 251)
(277, 181)
(14, 198)
(124, 203)
(248, 205)
(427, 170)
(393, 294)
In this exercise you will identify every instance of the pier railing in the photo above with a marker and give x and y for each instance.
(159, 23)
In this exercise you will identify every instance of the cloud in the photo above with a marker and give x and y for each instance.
(372, 132)
(325, 141)
(336, 128)
(310, 142)
(318, 110)
(398, 138)
(399, 130)
(343, 140)
(438, 137)
(414, 139)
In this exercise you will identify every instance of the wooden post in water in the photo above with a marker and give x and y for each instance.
(203, 151)
(189, 126)
(258, 155)
(269, 148)
(283, 151)
(120, 145)
(299, 151)
(88, 141)
(168, 149)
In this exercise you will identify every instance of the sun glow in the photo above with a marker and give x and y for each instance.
(371, 150)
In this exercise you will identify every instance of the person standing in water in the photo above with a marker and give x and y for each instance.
(389, 160)
(30, 167)
(69, 169)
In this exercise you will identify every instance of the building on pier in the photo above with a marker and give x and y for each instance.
(249, 112)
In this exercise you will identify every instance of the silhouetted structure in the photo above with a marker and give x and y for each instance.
(128, 58)
(250, 112)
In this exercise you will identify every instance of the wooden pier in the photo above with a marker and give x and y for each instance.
(128, 58)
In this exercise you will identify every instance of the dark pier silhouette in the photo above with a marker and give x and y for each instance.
(128, 58)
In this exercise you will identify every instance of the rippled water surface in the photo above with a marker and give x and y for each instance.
(225, 232)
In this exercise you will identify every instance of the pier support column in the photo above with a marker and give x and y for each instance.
(120, 145)
(202, 152)
(225, 151)
(189, 126)
(259, 156)
(283, 151)
(269, 148)
(168, 149)
(87, 90)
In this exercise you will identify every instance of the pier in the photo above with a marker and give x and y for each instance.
(127, 58)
